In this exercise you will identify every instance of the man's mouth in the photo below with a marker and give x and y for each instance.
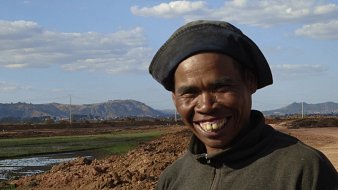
(212, 126)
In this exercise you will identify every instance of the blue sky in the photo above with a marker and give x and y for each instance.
(95, 51)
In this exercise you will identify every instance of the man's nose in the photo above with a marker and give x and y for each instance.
(205, 102)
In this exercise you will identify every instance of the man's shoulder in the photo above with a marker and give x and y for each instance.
(178, 165)
(291, 145)
(173, 172)
(295, 152)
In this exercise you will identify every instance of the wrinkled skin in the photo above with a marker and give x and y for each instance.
(209, 88)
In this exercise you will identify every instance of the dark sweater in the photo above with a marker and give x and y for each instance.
(262, 158)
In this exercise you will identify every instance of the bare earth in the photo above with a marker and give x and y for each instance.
(140, 168)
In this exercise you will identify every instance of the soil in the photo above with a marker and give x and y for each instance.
(46, 131)
(140, 168)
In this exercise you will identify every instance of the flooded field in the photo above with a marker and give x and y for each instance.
(14, 168)
(47, 151)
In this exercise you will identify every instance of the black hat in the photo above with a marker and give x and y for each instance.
(208, 36)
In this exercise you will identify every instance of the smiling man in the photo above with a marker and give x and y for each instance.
(212, 70)
(213, 98)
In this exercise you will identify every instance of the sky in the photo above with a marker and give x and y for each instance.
(92, 51)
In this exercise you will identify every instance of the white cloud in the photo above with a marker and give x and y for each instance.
(5, 87)
(264, 13)
(10, 87)
(169, 10)
(25, 44)
(328, 30)
(240, 3)
(18, 28)
(297, 70)
(325, 9)
(55, 90)
(269, 13)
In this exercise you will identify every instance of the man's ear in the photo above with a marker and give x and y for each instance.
(251, 81)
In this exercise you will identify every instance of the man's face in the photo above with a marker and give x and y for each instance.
(213, 98)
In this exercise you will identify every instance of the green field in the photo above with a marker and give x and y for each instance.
(104, 144)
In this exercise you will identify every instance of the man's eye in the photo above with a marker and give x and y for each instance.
(223, 88)
(188, 94)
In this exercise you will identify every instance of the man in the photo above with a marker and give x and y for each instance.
(212, 69)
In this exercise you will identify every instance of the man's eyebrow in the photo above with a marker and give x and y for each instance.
(223, 80)
(184, 89)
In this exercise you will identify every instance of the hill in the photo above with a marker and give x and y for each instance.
(327, 108)
(131, 108)
(106, 110)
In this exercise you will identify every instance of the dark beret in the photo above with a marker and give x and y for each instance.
(208, 36)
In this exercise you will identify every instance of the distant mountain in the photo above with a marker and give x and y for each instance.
(168, 111)
(296, 108)
(110, 109)
(132, 108)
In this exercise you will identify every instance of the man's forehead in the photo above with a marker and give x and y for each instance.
(208, 60)
(217, 68)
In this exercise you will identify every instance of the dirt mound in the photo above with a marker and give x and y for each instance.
(313, 122)
(138, 169)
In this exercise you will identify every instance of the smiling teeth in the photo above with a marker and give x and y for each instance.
(212, 126)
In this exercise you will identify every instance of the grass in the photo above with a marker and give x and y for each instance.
(114, 143)
(7, 187)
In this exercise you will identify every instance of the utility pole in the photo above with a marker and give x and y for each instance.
(70, 110)
(302, 110)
